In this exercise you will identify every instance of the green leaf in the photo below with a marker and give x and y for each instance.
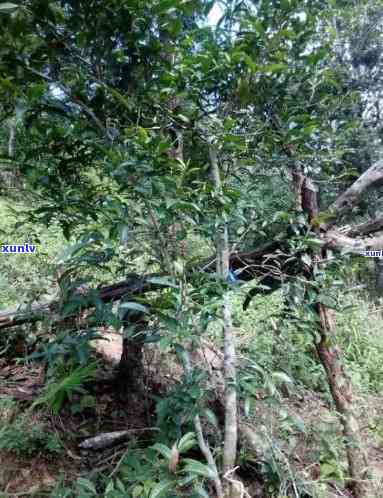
(330, 470)
(328, 301)
(163, 450)
(196, 467)
(162, 281)
(211, 417)
(7, 7)
(257, 368)
(70, 251)
(120, 486)
(247, 406)
(121, 99)
(86, 484)
(178, 267)
(306, 259)
(130, 305)
(109, 488)
(282, 377)
(299, 423)
(160, 488)
(183, 118)
(272, 68)
(199, 491)
(186, 442)
(137, 491)
(35, 92)
(57, 392)
(314, 242)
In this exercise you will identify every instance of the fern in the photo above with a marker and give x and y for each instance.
(57, 392)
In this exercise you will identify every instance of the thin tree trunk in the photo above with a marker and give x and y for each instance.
(329, 355)
(231, 418)
(12, 139)
(341, 391)
(378, 291)
(202, 443)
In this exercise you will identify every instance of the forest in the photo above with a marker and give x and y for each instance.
(191, 248)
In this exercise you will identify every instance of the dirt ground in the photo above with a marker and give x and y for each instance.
(21, 476)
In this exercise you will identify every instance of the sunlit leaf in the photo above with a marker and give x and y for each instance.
(129, 305)
(198, 468)
(7, 7)
(160, 488)
(164, 450)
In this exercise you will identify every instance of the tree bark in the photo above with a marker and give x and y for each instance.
(131, 369)
(202, 443)
(341, 391)
(379, 278)
(330, 356)
(222, 268)
(370, 226)
(12, 139)
(347, 200)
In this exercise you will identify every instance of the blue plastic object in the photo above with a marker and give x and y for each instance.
(232, 277)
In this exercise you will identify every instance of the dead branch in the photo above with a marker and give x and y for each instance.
(133, 286)
(346, 201)
(107, 439)
(370, 226)
(336, 240)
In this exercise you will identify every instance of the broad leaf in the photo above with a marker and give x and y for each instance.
(160, 488)
(129, 305)
(7, 7)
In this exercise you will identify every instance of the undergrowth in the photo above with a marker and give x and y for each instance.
(21, 437)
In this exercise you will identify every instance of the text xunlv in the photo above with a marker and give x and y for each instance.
(17, 248)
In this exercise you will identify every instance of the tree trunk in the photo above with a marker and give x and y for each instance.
(12, 139)
(130, 369)
(341, 391)
(379, 278)
(329, 355)
(231, 419)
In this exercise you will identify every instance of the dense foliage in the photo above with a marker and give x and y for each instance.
(153, 143)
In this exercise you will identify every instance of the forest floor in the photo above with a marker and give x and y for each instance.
(305, 418)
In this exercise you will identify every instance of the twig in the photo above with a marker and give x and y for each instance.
(118, 463)
(236, 483)
(204, 447)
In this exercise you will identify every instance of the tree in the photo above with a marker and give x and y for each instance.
(143, 126)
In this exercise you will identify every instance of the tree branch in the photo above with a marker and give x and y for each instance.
(133, 286)
(86, 109)
(346, 201)
(370, 226)
(335, 240)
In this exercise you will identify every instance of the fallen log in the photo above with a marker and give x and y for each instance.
(260, 263)
(13, 317)
(132, 286)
